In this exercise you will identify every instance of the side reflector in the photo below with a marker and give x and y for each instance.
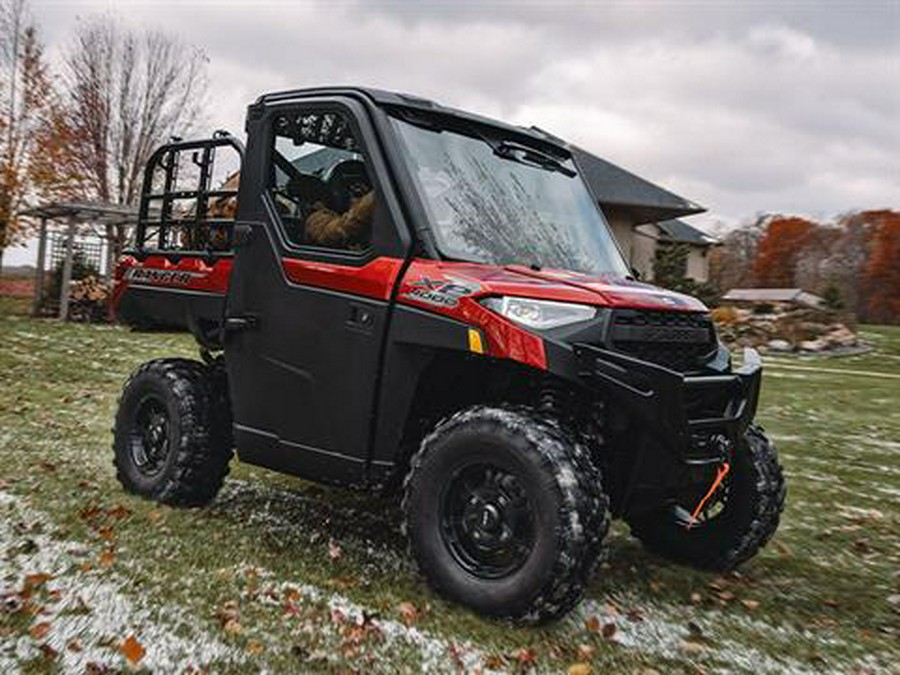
(475, 344)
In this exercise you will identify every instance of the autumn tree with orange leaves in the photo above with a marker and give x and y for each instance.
(25, 98)
(883, 269)
(779, 250)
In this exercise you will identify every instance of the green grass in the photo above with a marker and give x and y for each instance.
(822, 586)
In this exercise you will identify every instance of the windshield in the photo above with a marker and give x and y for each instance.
(504, 208)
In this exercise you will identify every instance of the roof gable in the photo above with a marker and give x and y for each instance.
(614, 186)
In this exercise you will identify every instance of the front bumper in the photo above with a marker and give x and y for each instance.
(691, 414)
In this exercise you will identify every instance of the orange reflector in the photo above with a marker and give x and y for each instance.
(475, 344)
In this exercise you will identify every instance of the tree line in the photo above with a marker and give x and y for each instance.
(84, 130)
(853, 262)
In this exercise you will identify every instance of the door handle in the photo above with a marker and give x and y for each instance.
(361, 318)
(234, 324)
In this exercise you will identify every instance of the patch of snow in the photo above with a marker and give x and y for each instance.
(92, 608)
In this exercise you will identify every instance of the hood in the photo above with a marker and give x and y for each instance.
(558, 285)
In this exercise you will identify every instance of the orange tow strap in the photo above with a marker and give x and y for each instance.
(720, 476)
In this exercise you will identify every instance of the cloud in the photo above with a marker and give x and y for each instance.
(743, 107)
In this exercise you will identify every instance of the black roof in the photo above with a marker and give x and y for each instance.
(645, 201)
(612, 185)
(680, 231)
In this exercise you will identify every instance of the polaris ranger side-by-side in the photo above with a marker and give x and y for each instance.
(388, 293)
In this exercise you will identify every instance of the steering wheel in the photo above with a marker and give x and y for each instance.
(346, 181)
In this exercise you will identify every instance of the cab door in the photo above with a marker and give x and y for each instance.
(308, 307)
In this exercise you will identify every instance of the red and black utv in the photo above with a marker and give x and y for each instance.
(392, 293)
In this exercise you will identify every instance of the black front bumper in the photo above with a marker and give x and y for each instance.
(685, 412)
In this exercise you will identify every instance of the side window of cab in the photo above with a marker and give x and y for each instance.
(319, 181)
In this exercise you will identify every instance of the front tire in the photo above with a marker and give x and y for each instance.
(505, 513)
(751, 502)
(172, 439)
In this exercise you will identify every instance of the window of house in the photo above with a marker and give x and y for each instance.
(319, 181)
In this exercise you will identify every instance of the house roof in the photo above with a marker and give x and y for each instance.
(682, 232)
(615, 187)
(797, 295)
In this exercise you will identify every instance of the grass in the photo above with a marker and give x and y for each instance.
(283, 575)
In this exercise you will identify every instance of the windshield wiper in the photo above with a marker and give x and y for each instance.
(525, 154)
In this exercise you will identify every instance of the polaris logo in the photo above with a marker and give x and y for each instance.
(148, 275)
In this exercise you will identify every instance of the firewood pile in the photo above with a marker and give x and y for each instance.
(89, 300)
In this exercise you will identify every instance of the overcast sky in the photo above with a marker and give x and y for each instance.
(743, 107)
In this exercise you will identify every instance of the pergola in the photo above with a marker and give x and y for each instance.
(98, 218)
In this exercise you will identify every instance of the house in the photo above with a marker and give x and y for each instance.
(781, 298)
(644, 216)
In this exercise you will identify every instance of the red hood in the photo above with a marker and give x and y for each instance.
(560, 285)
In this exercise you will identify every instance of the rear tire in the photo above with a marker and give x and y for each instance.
(505, 513)
(746, 522)
(172, 439)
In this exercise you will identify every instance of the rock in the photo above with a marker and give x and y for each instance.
(817, 345)
(779, 345)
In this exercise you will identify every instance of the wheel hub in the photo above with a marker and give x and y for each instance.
(149, 437)
(486, 521)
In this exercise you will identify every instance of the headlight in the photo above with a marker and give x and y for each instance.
(539, 314)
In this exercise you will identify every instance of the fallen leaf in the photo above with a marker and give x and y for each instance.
(750, 604)
(155, 515)
(586, 652)
(690, 647)
(49, 653)
(255, 647)
(39, 630)
(107, 558)
(634, 614)
(132, 650)
(580, 669)
(408, 613)
(727, 596)
(232, 626)
(33, 581)
(334, 551)
(526, 656)
(118, 512)
(609, 630)
(494, 662)
(592, 624)
(831, 602)
(696, 598)
(228, 612)
(74, 645)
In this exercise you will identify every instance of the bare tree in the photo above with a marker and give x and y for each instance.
(127, 93)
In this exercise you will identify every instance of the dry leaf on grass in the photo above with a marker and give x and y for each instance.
(39, 630)
(132, 650)
(107, 558)
(408, 613)
(580, 669)
(334, 551)
(609, 630)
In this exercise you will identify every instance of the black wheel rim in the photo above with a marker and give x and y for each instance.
(149, 437)
(486, 521)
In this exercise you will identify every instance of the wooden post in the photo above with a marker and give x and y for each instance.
(110, 251)
(40, 270)
(67, 271)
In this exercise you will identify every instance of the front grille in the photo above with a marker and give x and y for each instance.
(675, 340)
